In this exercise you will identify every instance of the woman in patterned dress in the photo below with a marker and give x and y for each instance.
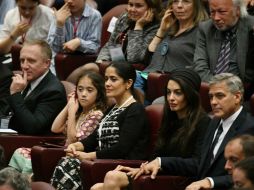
(122, 133)
(77, 120)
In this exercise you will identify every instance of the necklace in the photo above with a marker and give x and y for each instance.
(112, 112)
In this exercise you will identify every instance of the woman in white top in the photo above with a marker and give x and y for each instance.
(28, 21)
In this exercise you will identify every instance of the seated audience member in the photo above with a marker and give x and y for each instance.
(174, 43)
(77, 120)
(223, 41)
(84, 110)
(243, 174)
(10, 179)
(36, 96)
(182, 130)
(122, 134)
(76, 27)
(230, 119)
(237, 149)
(28, 21)
(133, 31)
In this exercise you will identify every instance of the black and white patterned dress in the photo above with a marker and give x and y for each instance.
(67, 173)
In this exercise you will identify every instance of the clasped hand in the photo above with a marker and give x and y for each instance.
(72, 151)
(19, 83)
(149, 168)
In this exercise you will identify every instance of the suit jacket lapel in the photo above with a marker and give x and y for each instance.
(39, 87)
(209, 139)
(215, 48)
(231, 133)
(242, 45)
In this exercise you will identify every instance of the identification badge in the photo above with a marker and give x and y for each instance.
(5, 122)
(112, 24)
(116, 53)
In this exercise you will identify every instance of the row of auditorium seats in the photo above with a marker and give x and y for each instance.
(94, 171)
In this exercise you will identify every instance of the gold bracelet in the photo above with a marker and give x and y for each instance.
(158, 36)
(12, 37)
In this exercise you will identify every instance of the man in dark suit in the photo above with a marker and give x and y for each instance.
(230, 119)
(36, 96)
(227, 17)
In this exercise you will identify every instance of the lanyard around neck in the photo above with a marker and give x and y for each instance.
(75, 25)
(23, 37)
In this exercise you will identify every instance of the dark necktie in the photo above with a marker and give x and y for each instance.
(223, 60)
(215, 141)
(26, 90)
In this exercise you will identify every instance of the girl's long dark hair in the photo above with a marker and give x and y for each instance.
(194, 113)
(98, 82)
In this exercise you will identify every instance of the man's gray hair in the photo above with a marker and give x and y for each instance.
(242, 6)
(233, 82)
(12, 178)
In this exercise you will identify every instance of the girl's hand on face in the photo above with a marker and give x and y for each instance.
(20, 29)
(168, 20)
(73, 104)
(71, 94)
(146, 18)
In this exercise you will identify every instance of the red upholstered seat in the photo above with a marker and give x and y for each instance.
(66, 63)
(161, 182)
(44, 161)
(156, 84)
(15, 52)
(11, 142)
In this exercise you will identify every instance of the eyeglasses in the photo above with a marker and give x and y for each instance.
(183, 2)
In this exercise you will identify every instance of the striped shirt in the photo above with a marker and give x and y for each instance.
(88, 31)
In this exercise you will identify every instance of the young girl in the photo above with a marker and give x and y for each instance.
(84, 110)
(122, 133)
(78, 119)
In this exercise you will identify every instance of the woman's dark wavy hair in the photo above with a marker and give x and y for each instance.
(99, 84)
(194, 114)
(126, 71)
